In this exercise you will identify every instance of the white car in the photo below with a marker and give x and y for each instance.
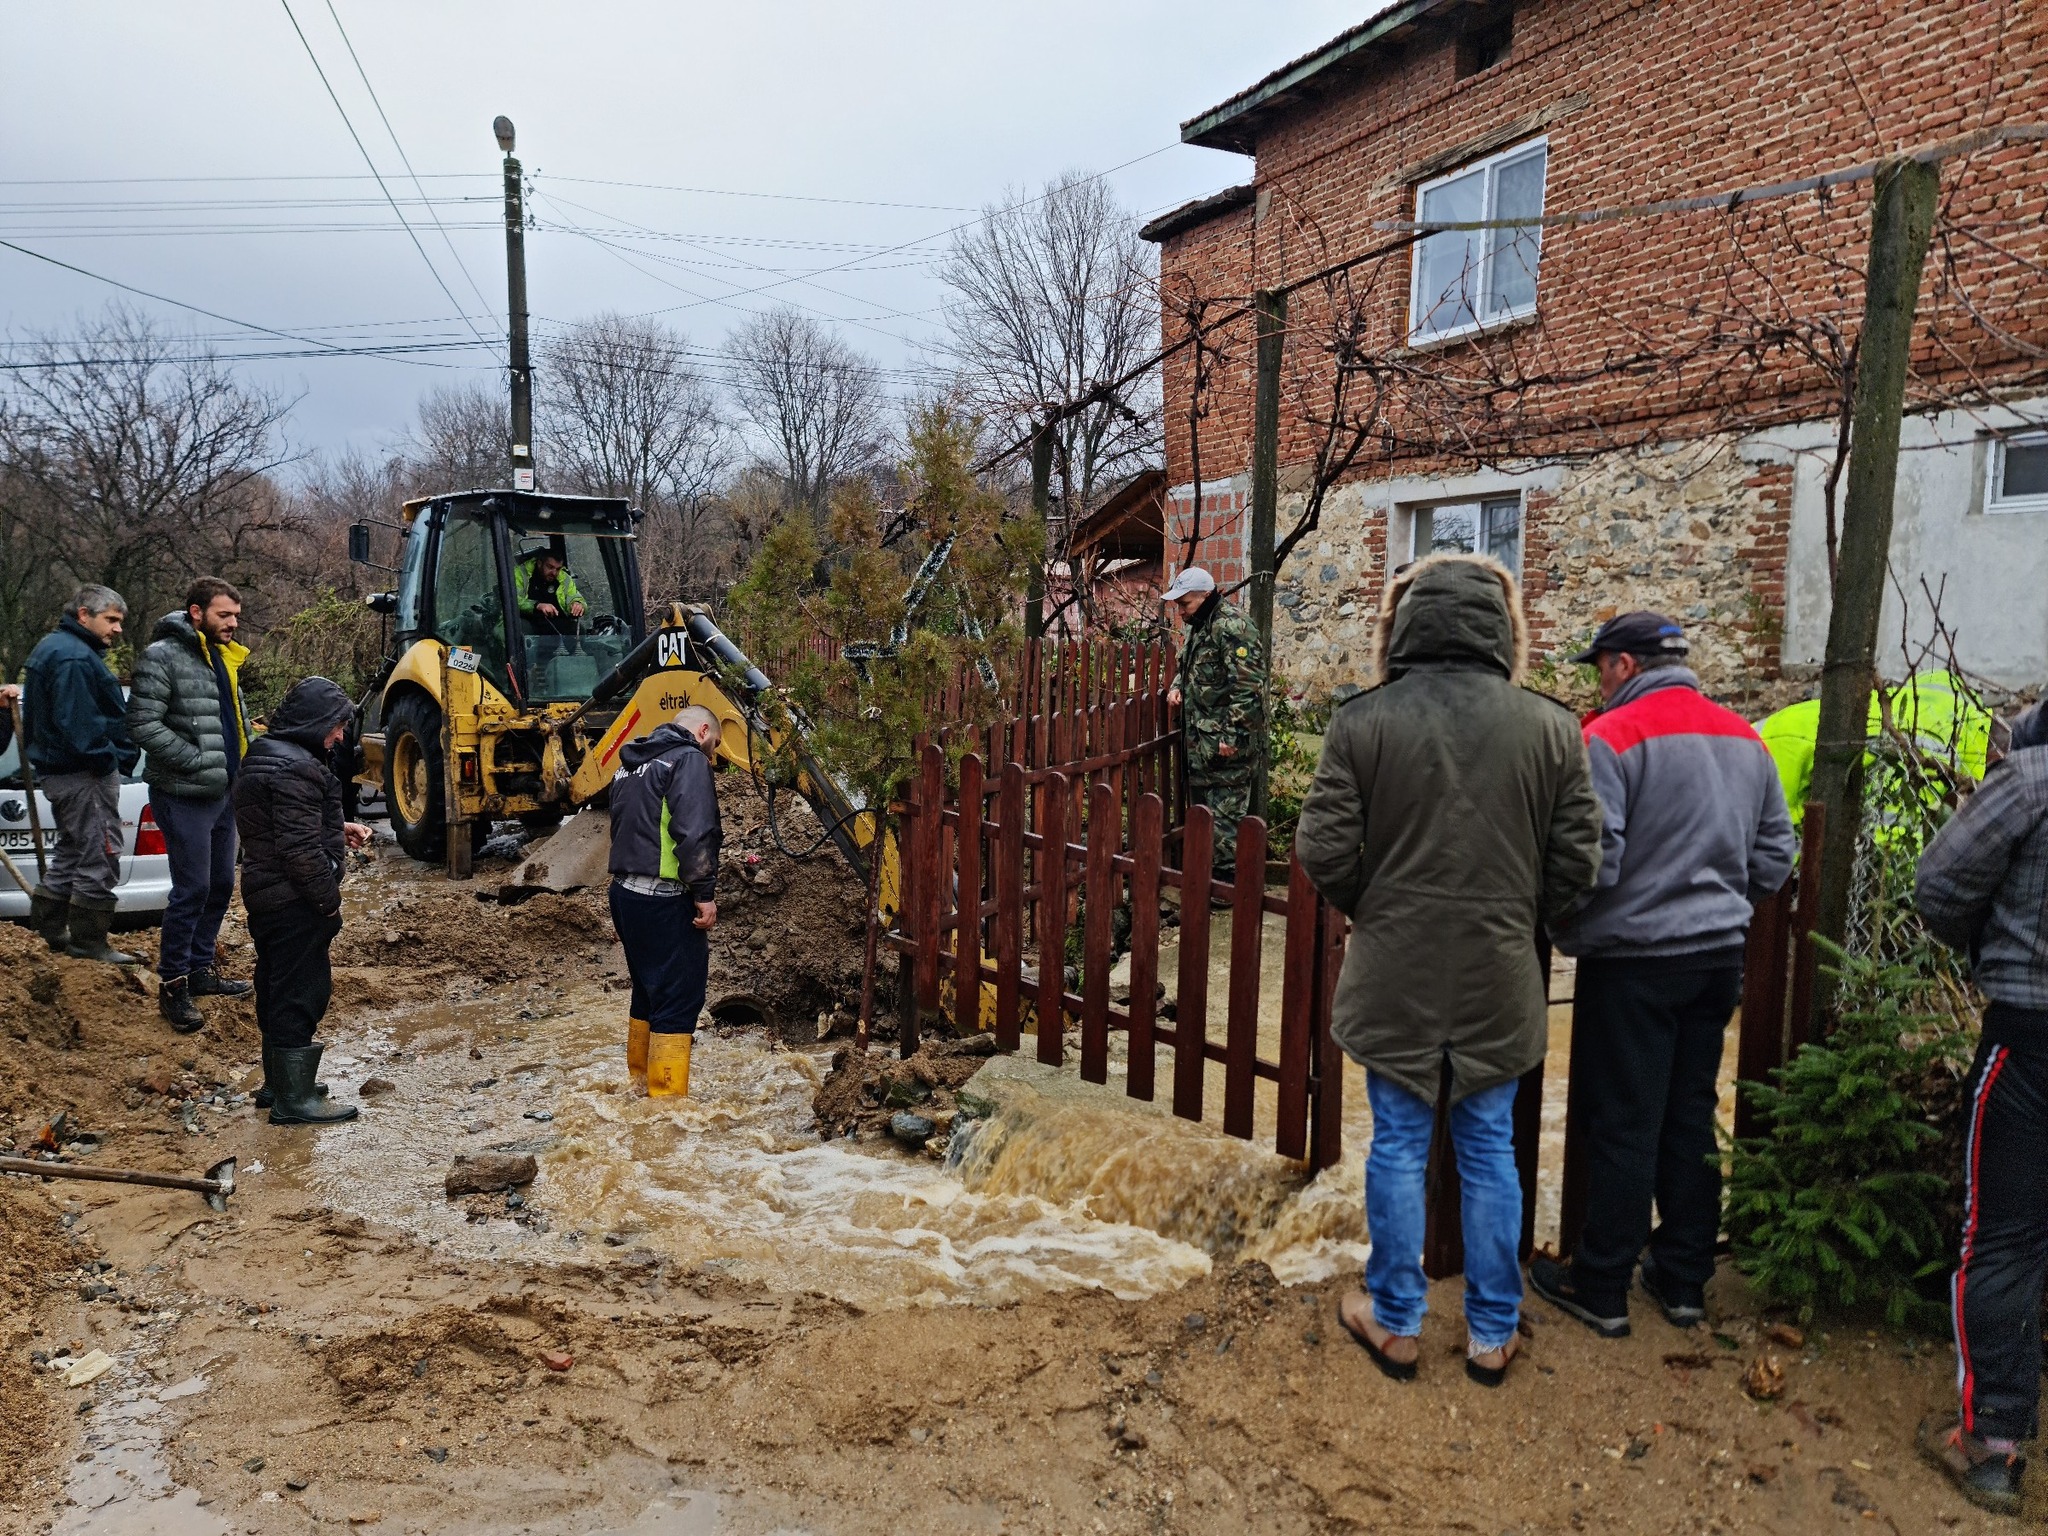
(145, 869)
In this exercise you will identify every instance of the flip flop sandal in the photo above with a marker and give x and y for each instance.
(1392, 1369)
(1494, 1375)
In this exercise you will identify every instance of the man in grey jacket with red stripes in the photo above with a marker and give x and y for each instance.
(1694, 830)
(1983, 887)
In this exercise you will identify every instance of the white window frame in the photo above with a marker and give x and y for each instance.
(1491, 165)
(1478, 506)
(1994, 473)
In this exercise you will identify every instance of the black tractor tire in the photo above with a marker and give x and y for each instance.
(414, 794)
(542, 821)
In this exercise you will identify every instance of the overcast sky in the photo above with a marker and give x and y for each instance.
(781, 129)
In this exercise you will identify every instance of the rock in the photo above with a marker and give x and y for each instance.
(158, 1082)
(1765, 1379)
(540, 1114)
(1785, 1334)
(1194, 1322)
(557, 1359)
(372, 1086)
(298, 1482)
(1154, 1379)
(485, 1173)
(912, 1130)
(919, 1435)
(95, 1291)
(436, 1454)
(367, 1517)
(253, 1464)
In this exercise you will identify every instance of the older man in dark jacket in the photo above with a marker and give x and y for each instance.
(1983, 887)
(294, 851)
(1694, 831)
(185, 710)
(77, 727)
(1450, 816)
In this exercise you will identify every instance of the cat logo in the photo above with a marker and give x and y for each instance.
(671, 648)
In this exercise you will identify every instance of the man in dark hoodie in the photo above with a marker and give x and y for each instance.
(294, 851)
(664, 864)
(1982, 887)
(185, 711)
(76, 723)
(1450, 816)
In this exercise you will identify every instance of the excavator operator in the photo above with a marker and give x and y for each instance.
(549, 601)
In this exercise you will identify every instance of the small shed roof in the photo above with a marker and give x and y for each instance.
(1131, 525)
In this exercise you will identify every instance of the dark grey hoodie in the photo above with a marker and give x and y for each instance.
(665, 812)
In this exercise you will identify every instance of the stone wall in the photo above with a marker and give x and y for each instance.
(1698, 531)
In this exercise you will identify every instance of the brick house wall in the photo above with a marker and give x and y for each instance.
(1636, 490)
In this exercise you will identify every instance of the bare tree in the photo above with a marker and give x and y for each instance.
(1054, 297)
(141, 461)
(463, 439)
(817, 403)
(624, 413)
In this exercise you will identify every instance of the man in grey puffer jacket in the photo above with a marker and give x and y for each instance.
(1694, 830)
(185, 710)
(1982, 886)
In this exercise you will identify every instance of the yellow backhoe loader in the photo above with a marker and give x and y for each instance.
(521, 661)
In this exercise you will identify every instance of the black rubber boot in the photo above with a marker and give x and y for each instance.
(174, 1002)
(91, 917)
(266, 1095)
(48, 913)
(295, 1099)
(207, 981)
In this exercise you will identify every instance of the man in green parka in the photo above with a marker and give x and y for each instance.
(1219, 686)
(1452, 814)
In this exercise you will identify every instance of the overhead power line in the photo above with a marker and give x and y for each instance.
(453, 302)
(211, 314)
(405, 159)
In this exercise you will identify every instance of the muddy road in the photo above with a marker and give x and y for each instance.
(709, 1317)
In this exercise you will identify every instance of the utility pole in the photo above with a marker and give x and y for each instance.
(1269, 307)
(515, 293)
(1901, 221)
(1041, 507)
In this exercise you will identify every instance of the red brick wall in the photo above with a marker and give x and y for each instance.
(1683, 97)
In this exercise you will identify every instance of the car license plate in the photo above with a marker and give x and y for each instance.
(19, 842)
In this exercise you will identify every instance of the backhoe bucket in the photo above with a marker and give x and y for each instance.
(573, 857)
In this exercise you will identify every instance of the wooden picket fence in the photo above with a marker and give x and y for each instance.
(996, 869)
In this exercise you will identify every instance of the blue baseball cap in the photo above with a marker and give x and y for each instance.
(1637, 634)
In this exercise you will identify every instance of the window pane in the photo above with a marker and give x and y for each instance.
(1512, 254)
(2026, 468)
(1447, 287)
(567, 652)
(1502, 520)
(467, 607)
(1446, 530)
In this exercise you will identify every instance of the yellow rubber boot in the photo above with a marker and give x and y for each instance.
(636, 1051)
(668, 1066)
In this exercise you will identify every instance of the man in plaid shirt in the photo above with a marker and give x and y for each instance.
(1983, 886)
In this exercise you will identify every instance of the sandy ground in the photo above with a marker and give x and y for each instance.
(346, 1347)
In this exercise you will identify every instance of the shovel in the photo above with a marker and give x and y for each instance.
(218, 1184)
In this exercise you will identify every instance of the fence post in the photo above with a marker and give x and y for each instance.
(1009, 904)
(1104, 823)
(1326, 1129)
(1052, 919)
(967, 932)
(1191, 1003)
(1760, 1043)
(931, 807)
(1807, 1022)
(1297, 989)
(1241, 1024)
(1145, 859)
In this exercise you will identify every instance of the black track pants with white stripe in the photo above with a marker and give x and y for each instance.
(2004, 1260)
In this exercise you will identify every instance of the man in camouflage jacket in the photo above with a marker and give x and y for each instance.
(1220, 689)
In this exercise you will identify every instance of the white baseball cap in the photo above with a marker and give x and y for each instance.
(1190, 581)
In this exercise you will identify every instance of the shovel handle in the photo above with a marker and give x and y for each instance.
(110, 1175)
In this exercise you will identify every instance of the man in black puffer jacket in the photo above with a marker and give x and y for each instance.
(294, 850)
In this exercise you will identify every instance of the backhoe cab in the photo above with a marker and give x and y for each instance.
(520, 661)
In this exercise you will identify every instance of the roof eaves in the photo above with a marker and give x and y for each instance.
(1228, 126)
(1200, 211)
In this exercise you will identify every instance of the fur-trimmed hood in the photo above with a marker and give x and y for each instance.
(1456, 609)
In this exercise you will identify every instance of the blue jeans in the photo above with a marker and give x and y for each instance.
(1483, 1132)
(199, 837)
